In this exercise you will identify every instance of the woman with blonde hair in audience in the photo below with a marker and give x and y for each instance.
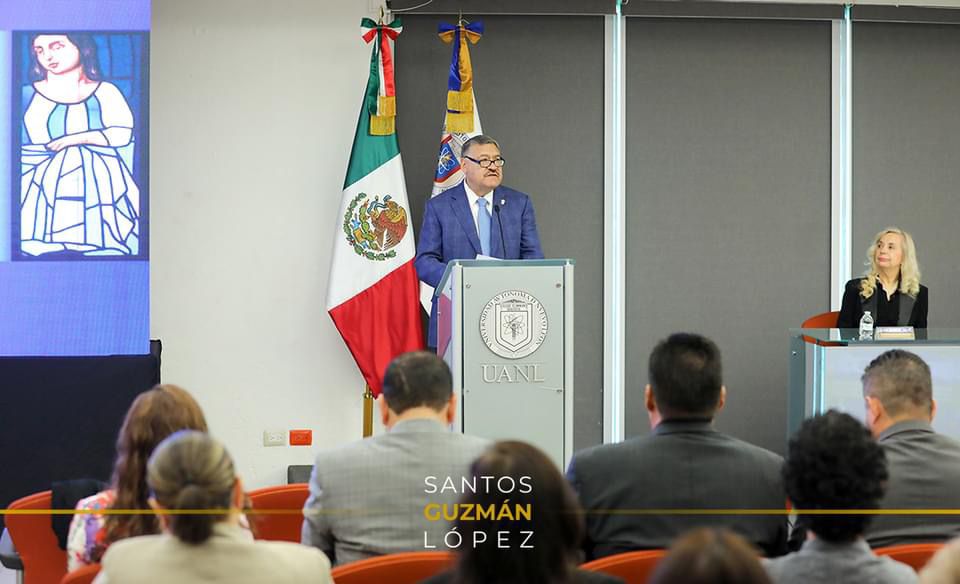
(540, 548)
(154, 415)
(710, 556)
(199, 498)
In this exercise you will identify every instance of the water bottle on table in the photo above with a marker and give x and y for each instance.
(866, 325)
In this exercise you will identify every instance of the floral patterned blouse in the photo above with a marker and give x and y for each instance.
(85, 540)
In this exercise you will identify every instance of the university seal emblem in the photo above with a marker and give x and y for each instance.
(513, 324)
(373, 226)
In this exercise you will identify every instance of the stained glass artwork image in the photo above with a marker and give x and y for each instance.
(78, 191)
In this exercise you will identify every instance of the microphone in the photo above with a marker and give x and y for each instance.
(496, 209)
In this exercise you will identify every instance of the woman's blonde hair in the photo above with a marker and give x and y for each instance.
(192, 471)
(909, 269)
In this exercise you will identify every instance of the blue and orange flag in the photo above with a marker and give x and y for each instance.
(460, 84)
(461, 111)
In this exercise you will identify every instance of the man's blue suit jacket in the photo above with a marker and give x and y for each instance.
(449, 233)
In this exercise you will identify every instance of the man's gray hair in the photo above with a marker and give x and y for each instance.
(478, 140)
(900, 380)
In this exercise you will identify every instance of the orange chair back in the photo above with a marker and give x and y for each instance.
(821, 321)
(915, 555)
(282, 508)
(825, 320)
(43, 560)
(405, 568)
(631, 567)
(84, 575)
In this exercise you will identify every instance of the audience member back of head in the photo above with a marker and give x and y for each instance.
(683, 464)
(833, 463)
(153, 415)
(924, 466)
(192, 472)
(418, 462)
(710, 556)
(540, 547)
(944, 566)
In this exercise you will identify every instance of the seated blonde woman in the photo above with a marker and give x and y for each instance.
(890, 287)
(189, 471)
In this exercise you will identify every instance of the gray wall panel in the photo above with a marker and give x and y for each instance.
(906, 157)
(728, 201)
(539, 85)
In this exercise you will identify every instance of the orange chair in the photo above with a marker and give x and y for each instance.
(821, 321)
(43, 560)
(84, 575)
(278, 512)
(824, 320)
(404, 568)
(915, 555)
(631, 567)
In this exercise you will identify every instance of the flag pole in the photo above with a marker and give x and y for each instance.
(367, 412)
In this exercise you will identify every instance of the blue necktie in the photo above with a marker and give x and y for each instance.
(483, 225)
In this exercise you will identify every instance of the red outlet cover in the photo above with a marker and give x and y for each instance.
(301, 437)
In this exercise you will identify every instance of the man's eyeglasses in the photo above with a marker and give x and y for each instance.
(485, 163)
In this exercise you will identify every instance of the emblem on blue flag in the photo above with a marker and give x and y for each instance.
(447, 163)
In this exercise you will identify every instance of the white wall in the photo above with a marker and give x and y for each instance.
(253, 110)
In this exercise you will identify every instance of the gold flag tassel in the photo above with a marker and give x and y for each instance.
(368, 412)
(387, 105)
(382, 125)
(461, 101)
(460, 122)
(459, 118)
(383, 120)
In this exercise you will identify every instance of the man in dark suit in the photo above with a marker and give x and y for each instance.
(684, 464)
(924, 466)
(478, 217)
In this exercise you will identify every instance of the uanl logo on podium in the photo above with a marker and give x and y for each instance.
(513, 324)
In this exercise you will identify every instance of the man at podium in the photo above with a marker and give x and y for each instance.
(475, 219)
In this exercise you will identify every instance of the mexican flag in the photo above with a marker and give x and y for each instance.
(373, 290)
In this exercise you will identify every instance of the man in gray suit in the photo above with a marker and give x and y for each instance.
(683, 464)
(924, 466)
(370, 497)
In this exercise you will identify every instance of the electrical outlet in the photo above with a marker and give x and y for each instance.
(301, 437)
(274, 438)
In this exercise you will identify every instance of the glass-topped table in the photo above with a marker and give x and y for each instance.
(826, 366)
